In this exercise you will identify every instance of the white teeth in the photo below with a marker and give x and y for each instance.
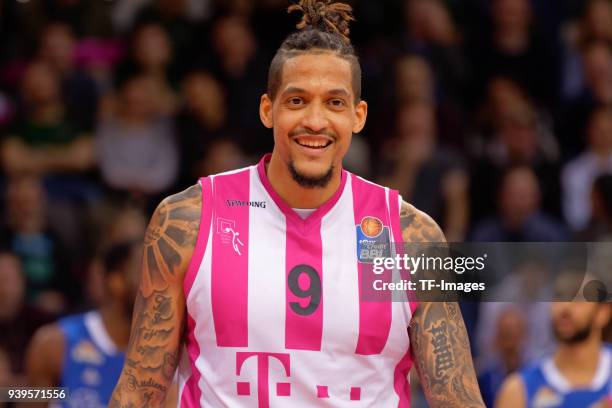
(309, 143)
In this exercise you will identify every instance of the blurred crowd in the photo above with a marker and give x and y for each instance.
(493, 116)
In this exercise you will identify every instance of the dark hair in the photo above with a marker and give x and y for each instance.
(115, 257)
(324, 28)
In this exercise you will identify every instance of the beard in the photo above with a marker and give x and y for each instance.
(311, 181)
(578, 336)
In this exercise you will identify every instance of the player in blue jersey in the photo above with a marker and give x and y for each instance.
(578, 374)
(85, 352)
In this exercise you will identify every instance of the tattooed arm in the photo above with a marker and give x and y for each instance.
(159, 309)
(437, 334)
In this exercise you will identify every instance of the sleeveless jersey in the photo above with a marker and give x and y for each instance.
(91, 364)
(275, 314)
(546, 387)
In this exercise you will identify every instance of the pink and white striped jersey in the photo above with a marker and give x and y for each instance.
(275, 315)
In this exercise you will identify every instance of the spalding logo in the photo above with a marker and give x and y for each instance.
(371, 226)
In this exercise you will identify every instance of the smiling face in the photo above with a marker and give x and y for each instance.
(314, 115)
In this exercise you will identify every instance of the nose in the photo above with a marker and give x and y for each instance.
(315, 117)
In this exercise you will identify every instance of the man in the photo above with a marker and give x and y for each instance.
(579, 372)
(255, 271)
(18, 319)
(509, 340)
(84, 352)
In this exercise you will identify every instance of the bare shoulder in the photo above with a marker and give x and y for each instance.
(45, 355)
(417, 226)
(512, 393)
(170, 239)
(49, 335)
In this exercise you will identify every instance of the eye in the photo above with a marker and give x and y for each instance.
(337, 103)
(295, 101)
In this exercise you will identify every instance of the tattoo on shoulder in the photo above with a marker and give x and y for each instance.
(443, 356)
(418, 226)
(173, 230)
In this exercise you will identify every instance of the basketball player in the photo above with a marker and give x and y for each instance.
(84, 352)
(579, 372)
(250, 281)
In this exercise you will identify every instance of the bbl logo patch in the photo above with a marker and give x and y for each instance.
(372, 240)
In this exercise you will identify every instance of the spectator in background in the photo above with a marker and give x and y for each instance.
(427, 175)
(176, 16)
(519, 218)
(519, 138)
(18, 319)
(597, 66)
(43, 139)
(599, 227)
(519, 286)
(514, 49)
(502, 95)
(595, 24)
(202, 120)
(46, 266)
(57, 49)
(598, 72)
(151, 55)
(414, 80)
(597, 21)
(509, 340)
(238, 63)
(222, 155)
(135, 142)
(431, 33)
(112, 222)
(579, 174)
(85, 352)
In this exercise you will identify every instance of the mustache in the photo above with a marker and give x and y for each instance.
(310, 132)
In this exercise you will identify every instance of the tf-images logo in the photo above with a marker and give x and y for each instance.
(241, 203)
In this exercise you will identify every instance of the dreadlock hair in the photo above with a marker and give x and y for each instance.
(324, 28)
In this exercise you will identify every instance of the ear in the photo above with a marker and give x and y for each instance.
(361, 113)
(265, 111)
(603, 315)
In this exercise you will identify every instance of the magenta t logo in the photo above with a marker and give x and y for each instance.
(283, 389)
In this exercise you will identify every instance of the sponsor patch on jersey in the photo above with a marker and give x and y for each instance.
(372, 240)
(86, 352)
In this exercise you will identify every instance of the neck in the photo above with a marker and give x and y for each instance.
(578, 362)
(292, 193)
(512, 360)
(117, 324)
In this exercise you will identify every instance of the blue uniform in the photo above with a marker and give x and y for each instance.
(91, 364)
(547, 388)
